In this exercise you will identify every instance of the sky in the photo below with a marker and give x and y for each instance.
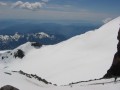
(87, 10)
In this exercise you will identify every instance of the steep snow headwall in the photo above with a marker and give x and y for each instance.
(115, 68)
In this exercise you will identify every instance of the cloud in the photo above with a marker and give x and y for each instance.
(45, 0)
(28, 5)
(3, 4)
(106, 20)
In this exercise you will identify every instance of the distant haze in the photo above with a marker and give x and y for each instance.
(89, 10)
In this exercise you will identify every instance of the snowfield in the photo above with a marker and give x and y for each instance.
(24, 83)
(83, 57)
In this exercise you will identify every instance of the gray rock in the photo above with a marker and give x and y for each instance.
(8, 87)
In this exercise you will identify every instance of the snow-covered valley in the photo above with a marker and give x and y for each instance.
(81, 58)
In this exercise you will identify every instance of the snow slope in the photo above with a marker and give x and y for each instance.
(25, 83)
(82, 57)
(20, 81)
(9, 55)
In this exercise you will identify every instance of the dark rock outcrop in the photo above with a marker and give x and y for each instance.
(8, 87)
(114, 70)
(36, 44)
(34, 76)
(20, 54)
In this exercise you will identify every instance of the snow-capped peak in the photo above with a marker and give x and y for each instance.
(42, 35)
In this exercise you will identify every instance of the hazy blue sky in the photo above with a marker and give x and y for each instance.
(89, 10)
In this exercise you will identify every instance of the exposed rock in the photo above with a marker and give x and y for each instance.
(114, 70)
(20, 54)
(36, 44)
(8, 87)
(34, 76)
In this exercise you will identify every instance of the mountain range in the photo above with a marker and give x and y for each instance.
(17, 32)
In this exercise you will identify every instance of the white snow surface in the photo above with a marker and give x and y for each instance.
(83, 57)
(24, 83)
(20, 81)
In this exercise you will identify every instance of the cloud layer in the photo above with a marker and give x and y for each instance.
(28, 5)
(45, 0)
(3, 4)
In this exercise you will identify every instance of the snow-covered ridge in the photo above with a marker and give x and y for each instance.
(17, 36)
(6, 38)
(19, 52)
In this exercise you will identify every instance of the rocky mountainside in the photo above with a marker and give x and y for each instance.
(114, 70)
